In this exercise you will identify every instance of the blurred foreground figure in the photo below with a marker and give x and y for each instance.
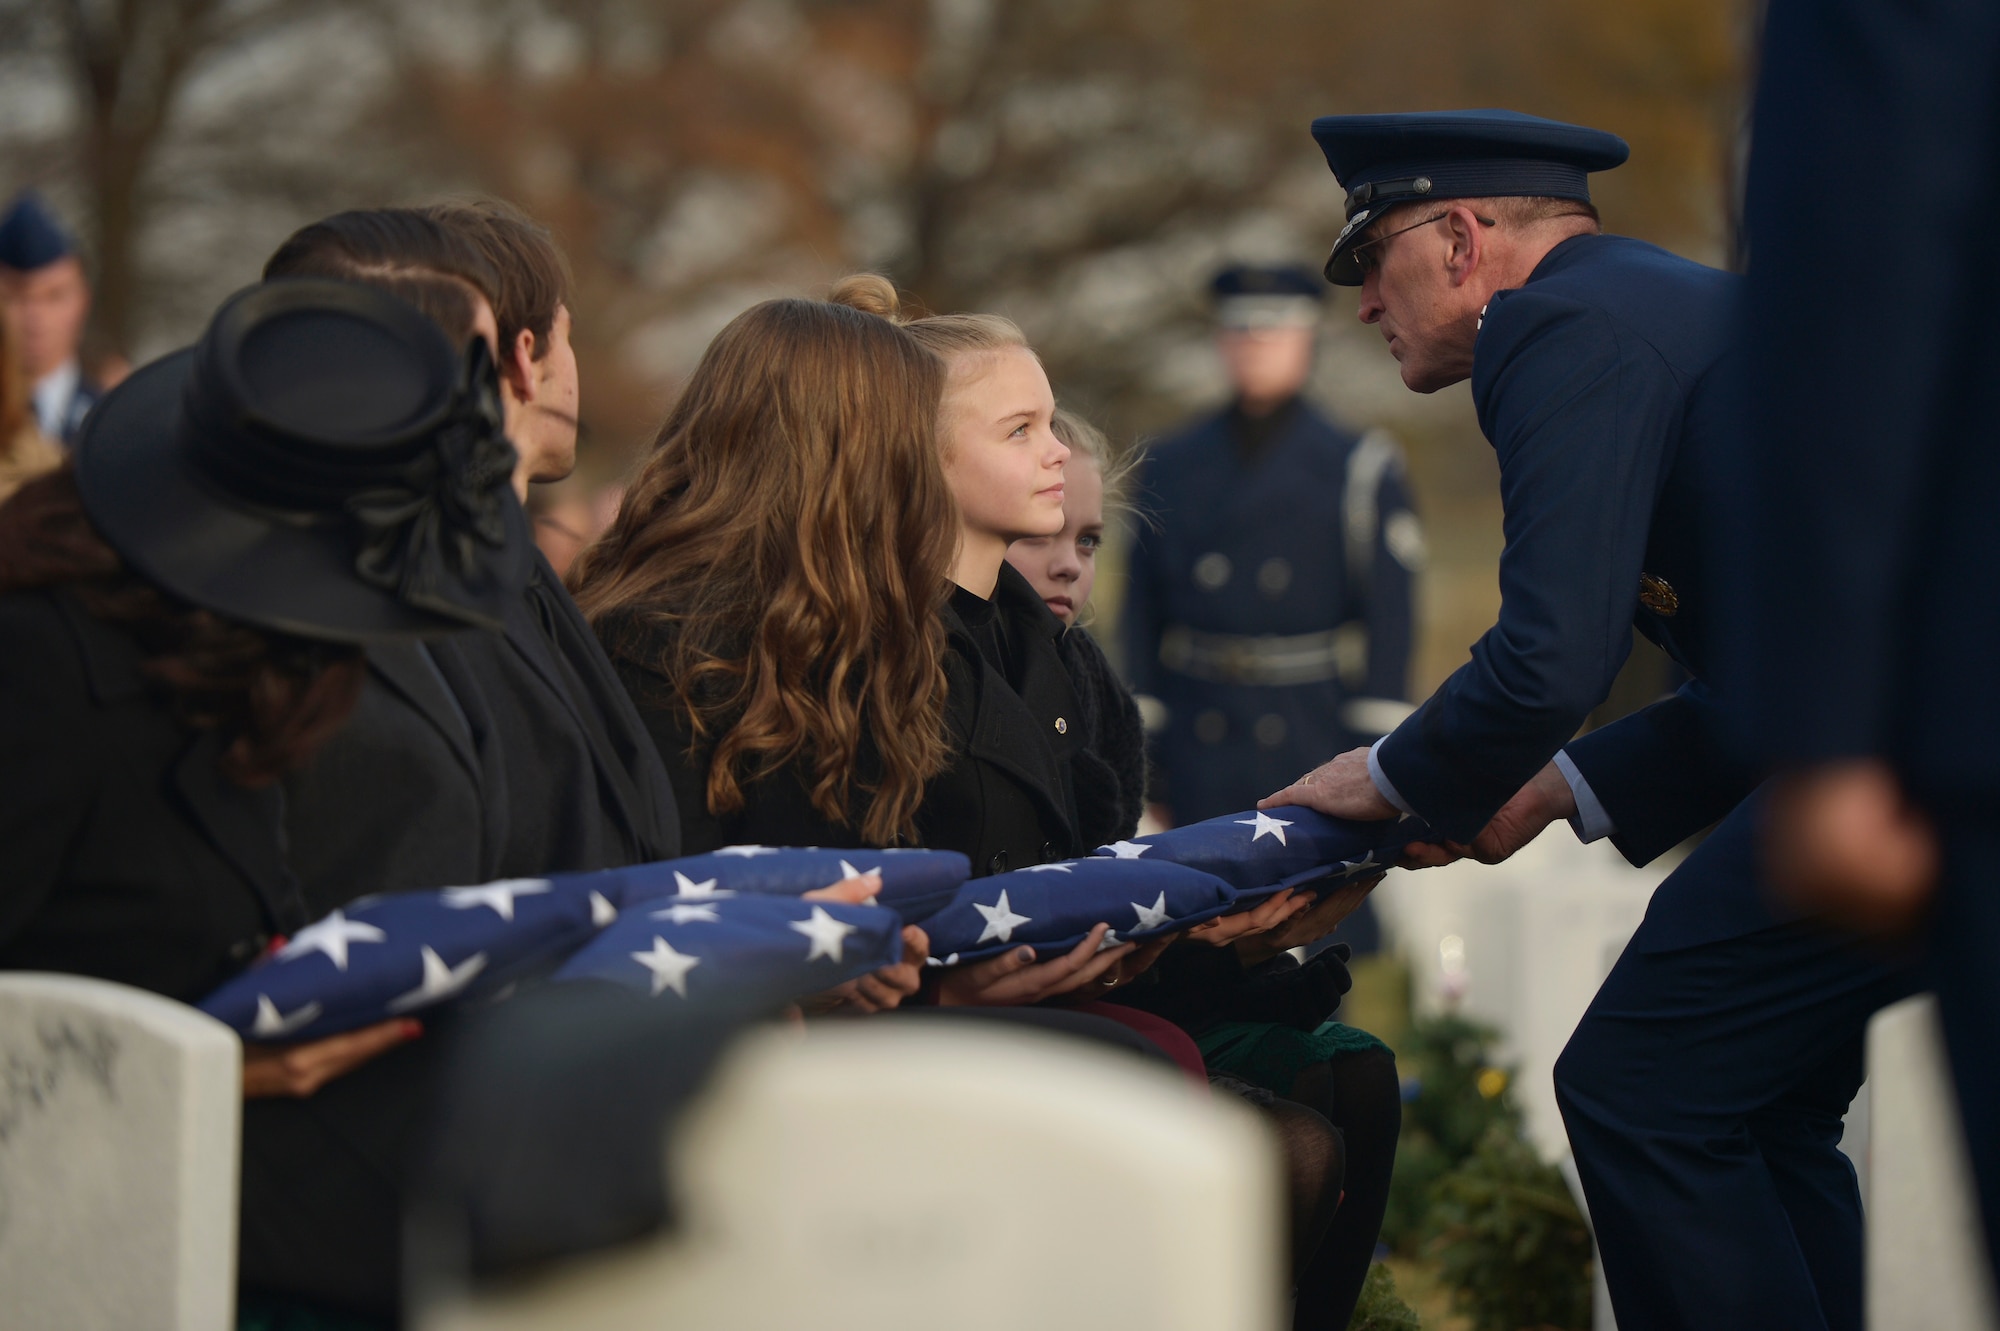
(1876, 472)
(47, 299)
(1703, 1090)
(1268, 611)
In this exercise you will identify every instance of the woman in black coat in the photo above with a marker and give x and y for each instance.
(182, 617)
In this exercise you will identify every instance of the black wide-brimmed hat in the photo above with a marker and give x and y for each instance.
(323, 462)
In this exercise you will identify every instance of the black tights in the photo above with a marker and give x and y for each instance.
(1338, 1124)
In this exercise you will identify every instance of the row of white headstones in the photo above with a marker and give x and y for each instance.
(1522, 946)
(873, 1175)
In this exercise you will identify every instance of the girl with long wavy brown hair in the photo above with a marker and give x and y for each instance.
(775, 593)
(770, 588)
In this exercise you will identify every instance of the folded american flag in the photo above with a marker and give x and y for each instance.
(1263, 851)
(1053, 906)
(915, 883)
(702, 946)
(385, 956)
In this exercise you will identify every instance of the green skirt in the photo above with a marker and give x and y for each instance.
(1272, 1056)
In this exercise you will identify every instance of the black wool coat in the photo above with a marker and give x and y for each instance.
(1006, 800)
(125, 854)
(1108, 758)
(482, 756)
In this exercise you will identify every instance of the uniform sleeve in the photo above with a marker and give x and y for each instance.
(1664, 772)
(1580, 415)
(1858, 342)
(47, 753)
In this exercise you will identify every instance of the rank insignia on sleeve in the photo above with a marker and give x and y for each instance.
(1658, 595)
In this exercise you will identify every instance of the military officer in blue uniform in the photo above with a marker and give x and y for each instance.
(47, 299)
(1703, 1091)
(1268, 611)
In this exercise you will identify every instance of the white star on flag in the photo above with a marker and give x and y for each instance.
(272, 1024)
(331, 936)
(1353, 867)
(669, 967)
(688, 915)
(747, 852)
(1128, 850)
(1049, 868)
(1110, 940)
(1266, 825)
(688, 887)
(1153, 916)
(500, 896)
(1000, 919)
(602, 912)
(826, 933)
(440, 981)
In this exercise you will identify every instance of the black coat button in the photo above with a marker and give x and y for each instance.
(246, 950)
(998, 864)
(1049, 852)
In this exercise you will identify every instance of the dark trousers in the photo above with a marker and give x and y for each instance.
(1703, 1093)
(1966, 934)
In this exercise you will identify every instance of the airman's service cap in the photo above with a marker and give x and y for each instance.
(1384, 161)
(1267, 296)
(31, 235)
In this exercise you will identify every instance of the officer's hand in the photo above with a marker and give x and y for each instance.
(1339, 789)
(1842, 841)
(1542, 801)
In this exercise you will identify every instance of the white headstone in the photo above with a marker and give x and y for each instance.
(1926, 1264)
(1521, 946)
(120, 1113)
(876, 1176)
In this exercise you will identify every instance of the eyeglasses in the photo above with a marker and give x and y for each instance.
(1367, 263)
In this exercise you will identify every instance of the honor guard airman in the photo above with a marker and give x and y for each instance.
(1704, 1089)
(1268, 612)
(47, 298)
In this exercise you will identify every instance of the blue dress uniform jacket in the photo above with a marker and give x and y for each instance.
(1703, 1090)
(1254, 581)
(1877, 419)
(1598, 385)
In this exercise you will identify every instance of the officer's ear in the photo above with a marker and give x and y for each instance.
(1468, 243)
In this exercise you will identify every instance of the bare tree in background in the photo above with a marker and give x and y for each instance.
(1079, 164)
(165, 116)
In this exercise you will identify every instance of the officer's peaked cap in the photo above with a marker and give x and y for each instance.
(1245, 279)
(1383, 161)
